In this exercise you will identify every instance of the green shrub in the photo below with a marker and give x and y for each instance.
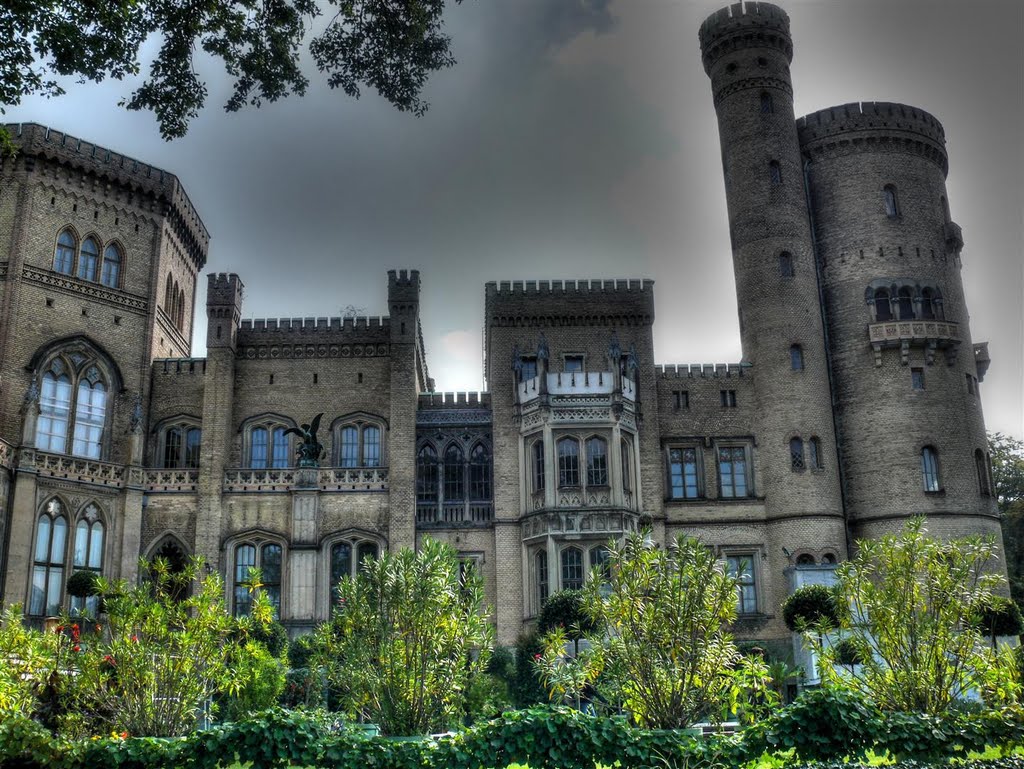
(260, 687)
(845, 652)
(486, 697)
(301, 650)
(82, 584)
(810, 606)
(272, 636)
(1000, 616)
(526, 688)
(24, 744)
(565, 609)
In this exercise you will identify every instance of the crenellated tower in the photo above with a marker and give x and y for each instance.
(911, 432)
(746, 51)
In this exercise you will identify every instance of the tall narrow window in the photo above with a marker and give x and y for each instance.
(627, 465)
(111, 266)
(767, 107)
(572, 568)
(814, 460)
(917, 378)
(540, 560)
(48, 562)
(930, 468)
(54, 411)
(529, 370)
(270, 575)
(280, 457)
(796, 454)
(258, 448)
(883, 309)
(741, 569)
(682, 472)
(350, 446)
(786, 264)
(599, 562)
(193, 445)
(172, 447)
(732, 471)
(597, 462)
(426, 475)
(796, 357)
(906, 303)
(90, 416)
(245, 559)
(892, 209)
(88, 556)
(981, 465)
(928, 304)
(728, 398)
(454, 474)
(371, 446)
(775, 172)
(366, 552)
(341, 568)
(479, 473)
(88, 259)
(538, 465)
(568, 462)
(64, 254)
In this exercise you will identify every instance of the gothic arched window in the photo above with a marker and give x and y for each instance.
(427, 475)
(930, 469)
(88, 259)
(814, 460)
(454, 474)
(796, 454)
(267, 557)
(479, 473)
(88, 556)
(767, 107)
(64, 254)
(111, 275)
(347, 557)
(47, 590)
(267, 444)
(73, 398)
(892, 209)
(540, 565)
(358, 441)
(905, 302)
(597, 462)
(538, 465)
(572, 568)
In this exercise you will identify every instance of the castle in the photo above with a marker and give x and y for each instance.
(856, 404)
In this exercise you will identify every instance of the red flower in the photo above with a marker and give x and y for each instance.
(537, 656)
(76, 648)
(135, 639)
(98, 628)
(109, 660)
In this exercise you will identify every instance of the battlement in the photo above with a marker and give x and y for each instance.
(744, 25)
(899, 121)
(701, 370)
(224, 288)
(35, 140)
(184, 366)
(349, 325)
(455, 400)
(578, 302)
(404, 278)
(544, 287)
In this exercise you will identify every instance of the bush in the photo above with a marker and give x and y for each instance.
(846, 652)
(410, 637)
(526, 688)
(565, 609)
(272, 636)
(301, 650)
(810, 606)
(82, 584)
(1000, 616)
(259, 688)
(487, 697)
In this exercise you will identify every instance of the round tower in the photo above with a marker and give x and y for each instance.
(746, 51)
(910, 426)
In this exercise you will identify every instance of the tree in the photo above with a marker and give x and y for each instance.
(386, 45)
(1008, 485)
(665, 654)
(908, 610)
(409, 635)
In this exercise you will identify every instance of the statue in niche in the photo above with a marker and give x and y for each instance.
(135, 424)
(310, 450)
(543, 353)
(517, 363)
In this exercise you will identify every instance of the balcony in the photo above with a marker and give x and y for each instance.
(430, 515)
(71, 468)
(603, 523)
(171, 481)
(576, 383)
(324, 479)
(932, 335)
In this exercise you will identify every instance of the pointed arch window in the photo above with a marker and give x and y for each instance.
(538, 465)
(479, 473)
(427, 475)
(540, 566)
(88, 259)
(358, 443)
(179, 446)
(931, 304)
(572, 568)
(47, 590)
(268, 445)
(267, 557)
(892, 208)
(347, 558)
(930, 469)
(454, 474)
(111, 275)
(64, 254)
(73, 398)
(87, 555)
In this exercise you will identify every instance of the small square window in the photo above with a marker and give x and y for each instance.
(728, 398)
(681, 399)
(571, 363)
(917, 378)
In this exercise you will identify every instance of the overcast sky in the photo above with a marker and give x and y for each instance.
(577, 139)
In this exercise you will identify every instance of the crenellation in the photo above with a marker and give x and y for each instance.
(701, 370)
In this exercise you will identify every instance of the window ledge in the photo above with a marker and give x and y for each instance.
(936, 493)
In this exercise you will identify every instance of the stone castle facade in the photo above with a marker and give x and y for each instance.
(856, 404)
